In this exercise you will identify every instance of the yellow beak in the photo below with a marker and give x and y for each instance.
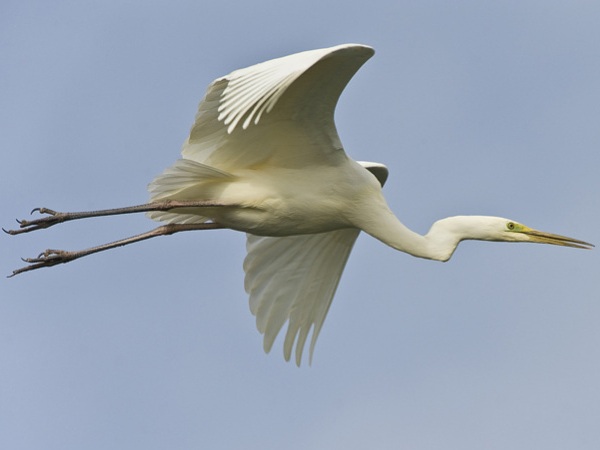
(542, 237)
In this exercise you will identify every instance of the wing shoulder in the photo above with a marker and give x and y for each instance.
(379, 170)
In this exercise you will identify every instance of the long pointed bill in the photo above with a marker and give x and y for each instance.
(542, 237)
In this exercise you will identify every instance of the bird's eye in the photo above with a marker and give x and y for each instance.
(510, 225)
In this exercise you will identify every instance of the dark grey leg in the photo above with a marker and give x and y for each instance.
(51, 257)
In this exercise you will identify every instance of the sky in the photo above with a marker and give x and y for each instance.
(475, 107)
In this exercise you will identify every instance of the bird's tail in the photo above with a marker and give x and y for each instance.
(184, 180)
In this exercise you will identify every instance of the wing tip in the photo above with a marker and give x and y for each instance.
(232, 111)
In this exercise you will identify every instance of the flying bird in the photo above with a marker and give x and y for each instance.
(264, 157)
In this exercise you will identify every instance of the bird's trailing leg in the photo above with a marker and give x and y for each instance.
(51, 258)
(54, 217)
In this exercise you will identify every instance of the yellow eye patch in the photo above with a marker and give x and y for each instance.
(516, 227)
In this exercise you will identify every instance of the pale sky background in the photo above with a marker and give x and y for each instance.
(475, 107)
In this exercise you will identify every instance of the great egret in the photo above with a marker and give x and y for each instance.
(264, 157)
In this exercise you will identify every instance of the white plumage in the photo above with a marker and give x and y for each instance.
(264, 157)
(289, 278)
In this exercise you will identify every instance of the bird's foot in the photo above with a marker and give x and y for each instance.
(52, 218)
(47, 258)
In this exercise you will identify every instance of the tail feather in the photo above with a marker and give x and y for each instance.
(184, 175)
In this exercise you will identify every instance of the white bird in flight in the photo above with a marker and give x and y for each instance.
(264, 157)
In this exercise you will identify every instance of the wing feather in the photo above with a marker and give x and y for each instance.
(294, 279)
(244, 112)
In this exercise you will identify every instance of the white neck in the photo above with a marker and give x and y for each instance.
(438, 244)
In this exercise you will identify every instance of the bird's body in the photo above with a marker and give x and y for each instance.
(264, 157)
(279, 201)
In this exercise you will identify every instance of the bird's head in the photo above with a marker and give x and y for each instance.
(446, 234)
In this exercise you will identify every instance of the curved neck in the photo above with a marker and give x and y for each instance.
(375, 218)
(438, 244)
(389, 230)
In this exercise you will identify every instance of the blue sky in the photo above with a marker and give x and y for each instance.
(475, 107)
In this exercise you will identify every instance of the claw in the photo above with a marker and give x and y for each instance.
(12, 232)
(44, 211)
(23, 223)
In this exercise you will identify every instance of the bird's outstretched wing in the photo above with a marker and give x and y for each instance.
(294, 279)
(279, 111)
